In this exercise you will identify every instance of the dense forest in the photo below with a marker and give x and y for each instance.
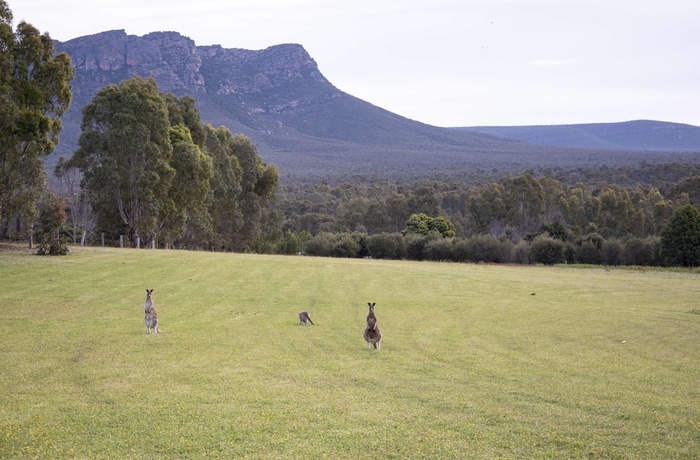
(599, 214)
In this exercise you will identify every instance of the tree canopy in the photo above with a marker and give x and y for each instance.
(680, 240)
(155, 172)
(34, 93)
(125, 154)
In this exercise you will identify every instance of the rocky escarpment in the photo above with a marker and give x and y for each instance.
(172, 59)
(181, 67)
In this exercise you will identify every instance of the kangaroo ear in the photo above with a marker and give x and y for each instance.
(374, 303)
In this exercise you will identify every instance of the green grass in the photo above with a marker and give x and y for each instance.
(477, 361)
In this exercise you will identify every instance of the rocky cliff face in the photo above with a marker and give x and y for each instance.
(181, 67)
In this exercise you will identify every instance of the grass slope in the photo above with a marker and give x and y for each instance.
(477, 361)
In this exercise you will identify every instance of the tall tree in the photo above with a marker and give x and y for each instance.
(190, 188)
(257, 190)
(34, 93)
(680, 240)
(525, 201)
(486, 205)
(125, 154)
(224, 211)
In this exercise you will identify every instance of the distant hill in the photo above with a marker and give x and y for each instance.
(300, 122)
(639, 135)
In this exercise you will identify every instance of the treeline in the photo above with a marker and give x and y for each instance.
(543, 248)
(518, 219)
(513, 207)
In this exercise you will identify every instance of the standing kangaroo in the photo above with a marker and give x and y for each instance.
(373, 335)
(304, 317)
(150, 317)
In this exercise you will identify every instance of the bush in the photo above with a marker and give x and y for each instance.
(547, 250)
(345, 245)
(52, 216)
(386, 246)
(642, 251)
(480, 248)
(520, 254)
(439, 249)
(320, 245)
(588, 252)
(611, 252)
(416, 245)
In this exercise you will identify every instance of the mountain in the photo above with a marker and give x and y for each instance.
(299, 121)
(630, 135)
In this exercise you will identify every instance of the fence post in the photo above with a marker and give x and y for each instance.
(82, 240)
(31, 241)
(121, 241)
(138, 242)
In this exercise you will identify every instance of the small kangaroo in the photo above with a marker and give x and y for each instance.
(373, 335)
(304, 317)
(150, 317)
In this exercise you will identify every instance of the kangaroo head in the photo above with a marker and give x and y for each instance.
(371, 306)
(148, 293)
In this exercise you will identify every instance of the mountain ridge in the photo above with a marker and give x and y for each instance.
(641, 135)
(299, 120)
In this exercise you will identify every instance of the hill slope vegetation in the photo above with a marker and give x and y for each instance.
(300, 122)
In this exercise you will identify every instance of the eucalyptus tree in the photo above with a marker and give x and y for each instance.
(190, 187)
(525, 202)
(680, 240)
(125, 155)
(258, 187)
(34, 93)
(224, 217)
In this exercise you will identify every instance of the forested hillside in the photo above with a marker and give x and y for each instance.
(299, 121)
(639, 135)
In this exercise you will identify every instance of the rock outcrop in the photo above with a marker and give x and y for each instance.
(181, 67)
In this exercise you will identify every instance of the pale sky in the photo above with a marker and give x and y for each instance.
(446, 62)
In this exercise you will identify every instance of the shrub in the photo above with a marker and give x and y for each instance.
(52, 216)
(587, 253)
(386, 246)
(479, 248)
(345, 245)
(547, 250)
(520, 253)
(611, 252)
(320, 245)
(439, 249)
(416, 244)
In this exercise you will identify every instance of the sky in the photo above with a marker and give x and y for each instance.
(446, 62)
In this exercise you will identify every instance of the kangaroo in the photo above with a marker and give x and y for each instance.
(304, 317)
(373, 335)
(150, 317)
(371, 318)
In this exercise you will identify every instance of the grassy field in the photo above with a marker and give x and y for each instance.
(477, 361)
